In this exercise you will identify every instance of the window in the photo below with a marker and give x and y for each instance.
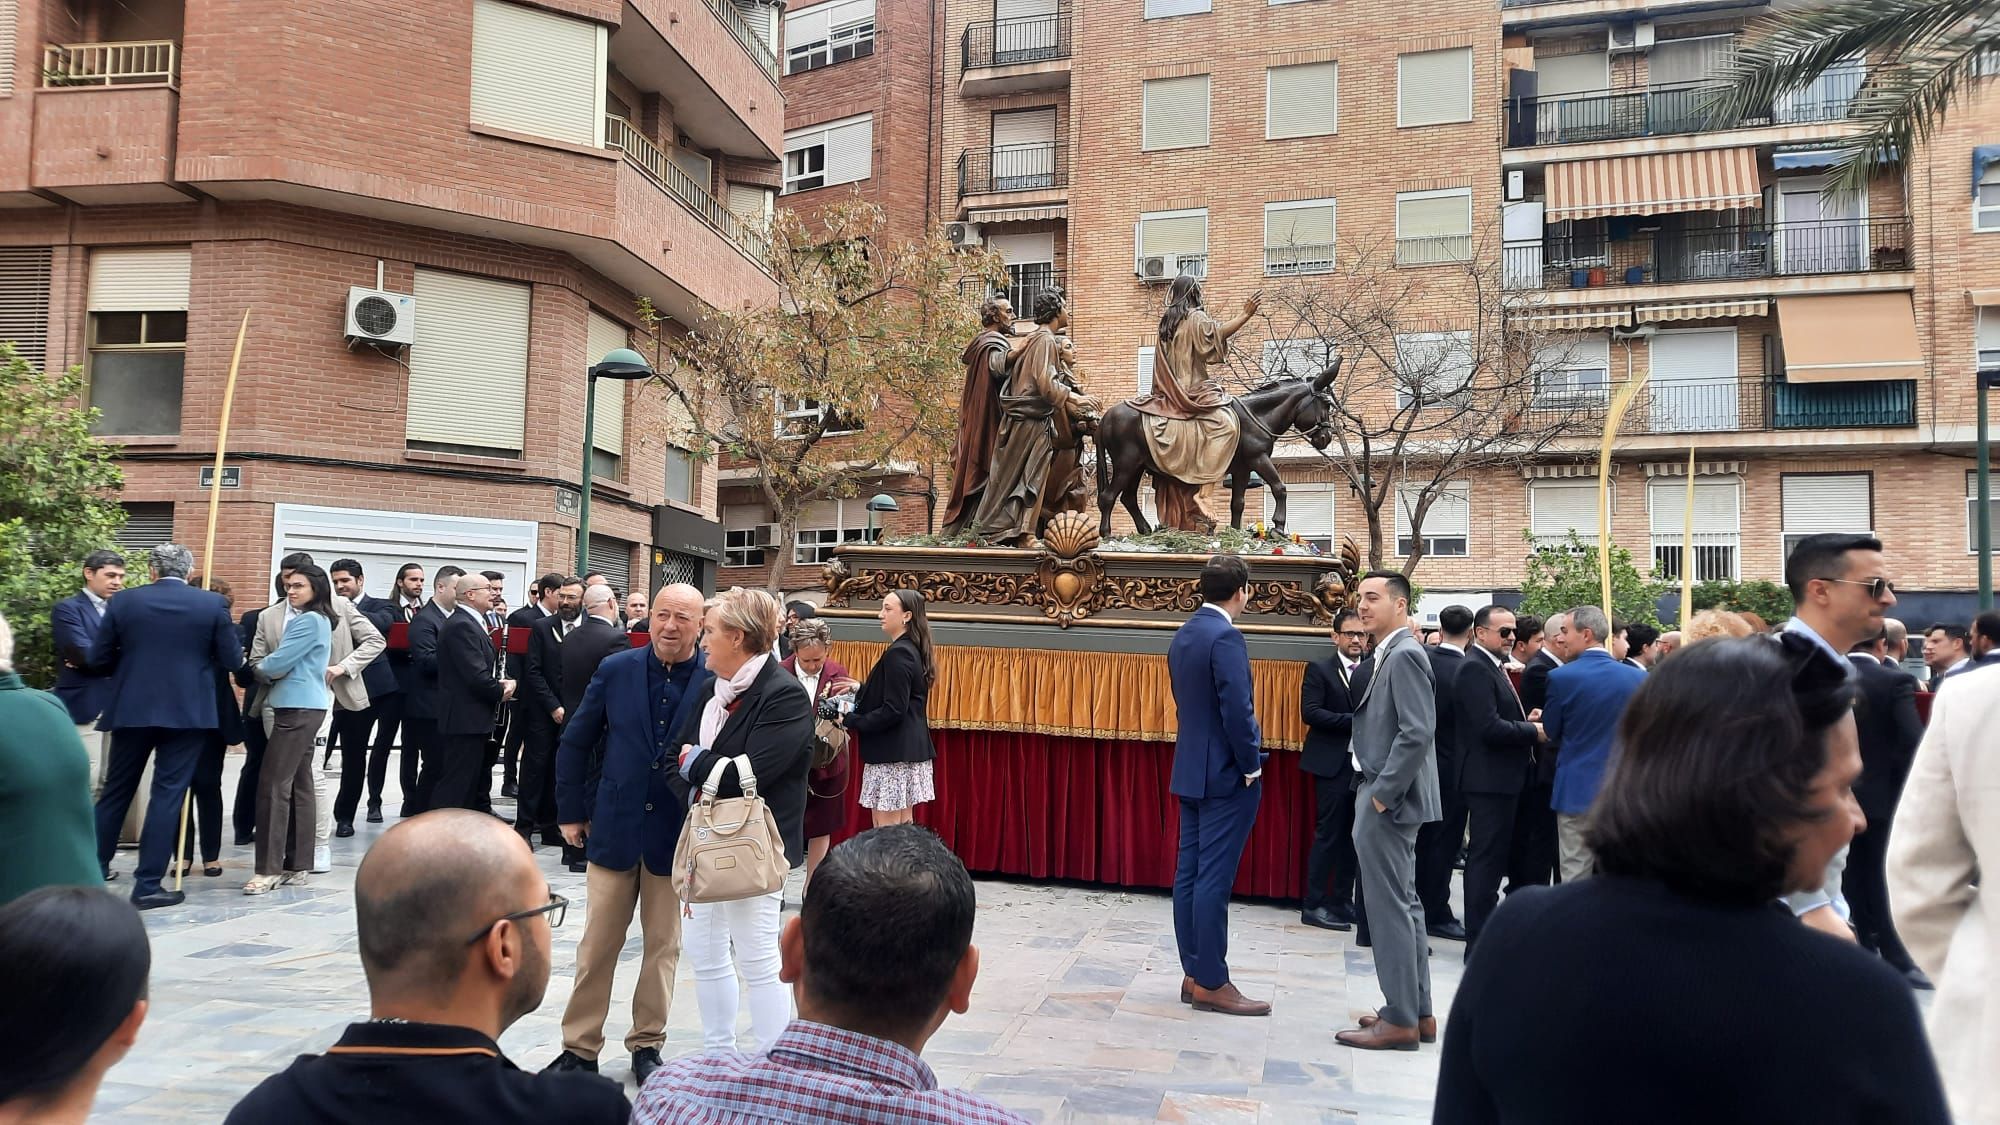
(742, 531)
(1986, 200)
(1160, 9)
(24, 298)
(1558, 507)
(1183, 234)
(829, 523)
(825, 34)
(751, 202)
(1433, 367)
(796, 417)
(1716, 528)
(1295, 359)
(1434, 87)
(147, 525)
(468, 368)
(1447, 526)
(1029, 31)
(1814, 503)
(1175, 113)
(680, 475)
(1298, 237)
(138, 339)
(1433, 226)
(538, 73)
(1972, 512)
(838, 152)
(1986, 338)
(607, 434)
(1574, 373)
(1301, 101)
(1309, 511)
(1024, 149)
(1145, 371)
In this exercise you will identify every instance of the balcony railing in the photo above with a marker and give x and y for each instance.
(1718, 253)
(1298, 258)
(1030, 167)
(1749, 404)
(1026, 39)
(1833, 406)
(745, 35)
(1432, 251)
(651, 159)
(1568, 119)
(1023, 282)
(148, 63)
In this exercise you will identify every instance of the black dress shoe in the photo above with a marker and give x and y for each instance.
(645, 1061)
(1344, 912)
(245, 839)
(408, 810)
(1362, 939)
(1450, 931)
(570, 1060)
(507, 789)
(1323, 918)
(344, 828)
(579, 867)
(158, 899)
(374, 814)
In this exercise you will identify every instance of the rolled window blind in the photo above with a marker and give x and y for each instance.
(472, 336)
(1826, 503)
(1300, 101)
(537, 72)
(1434, 87)
(1175, 112)
(1174, 234)
(149, 279)
(609, 432)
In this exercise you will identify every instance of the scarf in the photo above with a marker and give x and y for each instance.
(726, 692)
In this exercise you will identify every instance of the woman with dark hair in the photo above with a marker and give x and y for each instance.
(1673, 986)
(206, 788)
(77, 962)
(298, 701)
(1189, 341)
(896, 753)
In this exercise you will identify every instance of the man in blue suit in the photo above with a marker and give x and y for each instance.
(162, 645)
(1587, 697)
(628, 822)
(1218, 772)
(74, 622)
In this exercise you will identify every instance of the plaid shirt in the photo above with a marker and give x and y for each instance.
(813, 1073)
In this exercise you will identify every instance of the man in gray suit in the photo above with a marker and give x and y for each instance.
(1395, 729)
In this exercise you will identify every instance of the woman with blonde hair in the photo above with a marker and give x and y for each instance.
(1711, 623)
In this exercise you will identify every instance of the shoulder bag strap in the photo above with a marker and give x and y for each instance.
(745, 776)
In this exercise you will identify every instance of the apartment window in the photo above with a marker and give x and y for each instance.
(742, 532)
(1160, 9)
(468, 368)
(1447, 526)
(825, 34)
(796, 417)
(1986, 338)
(1717, 531)
(1433, 368)
(1309, 510)
(1298, 237)
(1576, 373)
(1433, 226)
(607, 434)
(24, 299)
(1558, 507)
(1818, 503)
(147, 525)
(1972, 512)
(827, 524)
(1175, 113)
(138, 339)
(1295, 359)
(1024, 149)
(1145, 383)
(1986, 200)
(680, 475)
(1181, 234)
(1434, 87)
(538, 73)
(838, 152)
(751, 202)
(1301, 101)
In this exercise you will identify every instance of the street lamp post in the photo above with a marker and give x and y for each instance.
(618, 363)
(880, 502)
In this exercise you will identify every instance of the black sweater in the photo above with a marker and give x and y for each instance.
(1617, 1000)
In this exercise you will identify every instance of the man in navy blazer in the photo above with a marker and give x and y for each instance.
(1587, 697)
(628, 821)
(74, 622)
(1218, 770)
(162, 645)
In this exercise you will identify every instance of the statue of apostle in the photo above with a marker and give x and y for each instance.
(1041, 409)
(986, 359)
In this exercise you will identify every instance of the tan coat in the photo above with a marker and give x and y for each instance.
(356, 642)
(1946, 826)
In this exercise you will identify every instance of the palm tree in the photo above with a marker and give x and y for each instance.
(1923, 54)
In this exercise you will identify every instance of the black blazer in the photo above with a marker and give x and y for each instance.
(1496, 743)
(1886, 719)
(1326, 703)
(379, 677)
(1445, 664)
(773, 724)
(593, 640)
(467, 689)
(540, 693)
(420, 695)
(1535, 696)
(891, 713)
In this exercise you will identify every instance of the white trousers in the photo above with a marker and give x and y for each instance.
(750, 925)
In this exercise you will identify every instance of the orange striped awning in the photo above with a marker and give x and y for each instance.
(1699, 310)
(1654, 184)
(1556, 319)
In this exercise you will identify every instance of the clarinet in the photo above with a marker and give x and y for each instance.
(499, 673)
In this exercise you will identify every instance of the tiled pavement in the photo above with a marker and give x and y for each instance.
(1075, 1016)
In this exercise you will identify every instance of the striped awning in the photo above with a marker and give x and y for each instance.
(1571, 319)
(1699, 310)
(1016, 214)
(1701, 469)
(1579, 471)
(1656, 183)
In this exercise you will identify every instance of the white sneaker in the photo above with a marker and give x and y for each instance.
(322, 860)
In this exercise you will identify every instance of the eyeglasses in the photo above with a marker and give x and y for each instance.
(1352, 635)
(1877, 587)
(556, 907)
(1506, 632)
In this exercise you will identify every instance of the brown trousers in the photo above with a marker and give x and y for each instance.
(610, 898)
(285, 801)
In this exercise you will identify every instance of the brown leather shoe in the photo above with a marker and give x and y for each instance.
(1427, 1026)
(1380, 1035)
(1187, 990)
(1227, 1001)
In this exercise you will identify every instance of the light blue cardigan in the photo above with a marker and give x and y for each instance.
(296, 669)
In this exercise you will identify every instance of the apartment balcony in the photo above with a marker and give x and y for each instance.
(650, 159)
(1748, 404)
(1023, 175)
(712, 66)
(1023, 282)
(1556, 13)
(1608, 118)
(1012, 55)
(105, 117)
(1592, 258)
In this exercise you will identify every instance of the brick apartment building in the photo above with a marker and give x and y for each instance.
(1818, 352)
(512, 177)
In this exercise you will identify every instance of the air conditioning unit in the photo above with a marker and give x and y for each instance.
(1158, 269)
(770, 535)
(962, 235)
(376, 316)
(1628, 37)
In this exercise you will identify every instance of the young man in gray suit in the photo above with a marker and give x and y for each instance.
(1395, 731)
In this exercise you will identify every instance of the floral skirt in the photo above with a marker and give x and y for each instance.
(896, 785)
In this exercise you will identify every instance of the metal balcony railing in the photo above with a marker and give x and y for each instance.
(1747, 404)
(1298, 258)
(1431, 251)
(650, 158)
(745, 35)
(1030, 167)
(148, 63)
(1834, 406)
(1714, 253)
(1023, 283)
(1611, 115)
(1022, 40)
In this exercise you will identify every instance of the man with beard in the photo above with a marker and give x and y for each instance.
(455, 925)
(986, 359)
(1040, 411)
(540, 714)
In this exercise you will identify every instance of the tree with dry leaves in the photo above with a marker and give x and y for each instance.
(852, 375)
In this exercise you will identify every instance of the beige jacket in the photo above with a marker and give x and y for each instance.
(1947, 823)
(355, 642)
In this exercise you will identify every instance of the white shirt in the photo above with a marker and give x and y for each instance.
(1459, 649)
(96, 603)
(1347, 668)
(475, 614)
(809, 682)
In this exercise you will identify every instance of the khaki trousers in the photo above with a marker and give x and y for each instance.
(94, 744)
(1574, 856)
(611, 895)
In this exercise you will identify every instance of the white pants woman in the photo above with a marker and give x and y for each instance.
(750, 926)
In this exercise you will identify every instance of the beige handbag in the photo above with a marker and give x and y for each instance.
(731, 848)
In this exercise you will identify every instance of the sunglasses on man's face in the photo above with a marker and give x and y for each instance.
(1878, 588)
(1506, 632)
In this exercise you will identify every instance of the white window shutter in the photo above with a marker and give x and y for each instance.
(1019, 249)
(1450, 516)
(1157, 9)
(8, 23)
(1556, 75)
(1024, 127)
(537, 72)
(1715, 506)
(1175, 112)
(1560, 507)
(609, 432)
(1434, 87)
(1820, 503)
(750, 201)
(1299, 101)
(1298, 224)
(469, 366)
(1145, 371)
(811, 25)
(148, 279)
(1434, 216)
(850, 151)
(1005, 10)
(1174, 234)
(1309, 510)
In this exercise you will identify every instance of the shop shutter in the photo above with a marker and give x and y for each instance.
(24, 298)
(1175, 112)
(613, 559)
(1300, 101)
(538, 73)
(148, 279)
(147, 525)
(1434, 87)
(469, 366)
(609, 433)
(1819, 503)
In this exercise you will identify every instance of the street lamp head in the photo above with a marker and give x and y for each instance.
(622, 363)
(883, 502)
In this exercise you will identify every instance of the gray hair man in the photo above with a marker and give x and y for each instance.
(1587, 697)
